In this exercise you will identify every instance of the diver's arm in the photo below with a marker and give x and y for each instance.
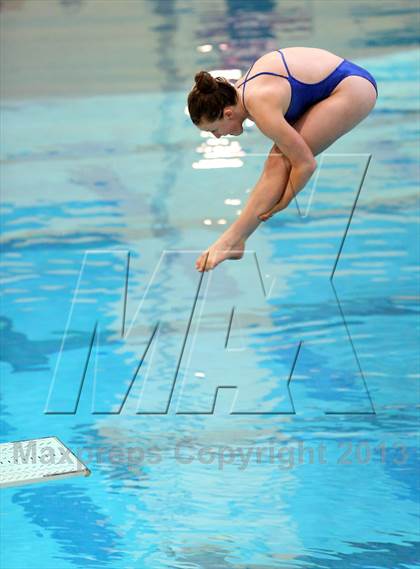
(268, 191)
(287, 169)
(289, 166)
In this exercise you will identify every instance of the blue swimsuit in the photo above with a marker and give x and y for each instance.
(305, 95)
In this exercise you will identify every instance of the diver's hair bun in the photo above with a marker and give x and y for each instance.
(209, 97)
(205, 83)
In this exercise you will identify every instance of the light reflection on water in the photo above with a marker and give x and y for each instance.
(95, 182)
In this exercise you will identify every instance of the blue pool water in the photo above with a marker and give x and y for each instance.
(309, 456)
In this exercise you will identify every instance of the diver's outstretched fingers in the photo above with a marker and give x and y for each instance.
(199, 262)
(202, 261)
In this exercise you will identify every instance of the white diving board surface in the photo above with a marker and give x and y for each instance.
(37, 460)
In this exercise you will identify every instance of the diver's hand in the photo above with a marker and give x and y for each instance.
(286, 197)
(279, 206)
(218, 252)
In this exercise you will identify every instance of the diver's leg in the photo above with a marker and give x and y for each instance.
(321, 125)
(350, 102)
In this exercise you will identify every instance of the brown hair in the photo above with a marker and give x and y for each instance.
(209, 97)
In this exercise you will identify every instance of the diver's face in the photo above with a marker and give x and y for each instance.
(228, 124)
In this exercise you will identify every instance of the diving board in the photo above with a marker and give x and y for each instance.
(37, 460)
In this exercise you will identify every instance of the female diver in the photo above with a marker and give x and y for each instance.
(303, 99)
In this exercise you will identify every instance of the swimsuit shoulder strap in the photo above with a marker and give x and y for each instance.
(264, 73)
(285, 62)
(253, 77)
(243, 86)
